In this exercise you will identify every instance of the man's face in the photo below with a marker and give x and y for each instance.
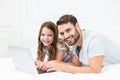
(68, 33)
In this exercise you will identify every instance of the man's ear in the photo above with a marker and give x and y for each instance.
(77, 26)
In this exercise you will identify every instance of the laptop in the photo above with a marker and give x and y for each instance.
(23, 60)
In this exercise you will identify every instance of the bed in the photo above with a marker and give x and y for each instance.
(8, 72)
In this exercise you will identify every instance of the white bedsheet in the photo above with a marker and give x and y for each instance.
(8, 72)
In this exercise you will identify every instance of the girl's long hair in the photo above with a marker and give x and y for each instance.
(53, 49)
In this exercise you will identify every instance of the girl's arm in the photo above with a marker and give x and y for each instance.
(39, 64)
(60, 55)
(75, 60)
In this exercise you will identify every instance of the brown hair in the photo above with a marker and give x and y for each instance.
(53, 49)
(67, 18)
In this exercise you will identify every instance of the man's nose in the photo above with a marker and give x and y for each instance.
(66, 36)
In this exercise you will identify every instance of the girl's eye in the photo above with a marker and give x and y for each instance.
(42, 34)
(49, 35)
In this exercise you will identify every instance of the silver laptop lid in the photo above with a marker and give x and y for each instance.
(23, 60)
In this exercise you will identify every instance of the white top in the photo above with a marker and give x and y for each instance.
(45, 50)
(94, 45)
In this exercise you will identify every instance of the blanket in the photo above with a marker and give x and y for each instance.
(8, 71)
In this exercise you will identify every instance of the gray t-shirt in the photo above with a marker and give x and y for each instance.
(67, 54)
(95, 44)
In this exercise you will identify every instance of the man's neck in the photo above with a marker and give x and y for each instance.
(79, 42)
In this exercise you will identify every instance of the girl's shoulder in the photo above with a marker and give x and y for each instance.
(61, 45)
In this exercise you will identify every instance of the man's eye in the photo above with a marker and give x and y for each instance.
(61, 34)
(68, 30)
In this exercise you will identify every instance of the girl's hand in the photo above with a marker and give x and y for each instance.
(39, 64)
(53, 65)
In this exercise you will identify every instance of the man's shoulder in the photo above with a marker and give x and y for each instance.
(89, 33)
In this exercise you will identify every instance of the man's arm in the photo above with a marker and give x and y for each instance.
(95, 66)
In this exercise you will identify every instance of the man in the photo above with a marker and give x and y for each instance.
(94, 50)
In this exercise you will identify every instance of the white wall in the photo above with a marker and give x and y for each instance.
(20, 20)
(10, 25)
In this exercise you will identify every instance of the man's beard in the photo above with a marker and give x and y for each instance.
(77, 36)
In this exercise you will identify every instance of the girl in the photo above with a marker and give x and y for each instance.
(50, 47)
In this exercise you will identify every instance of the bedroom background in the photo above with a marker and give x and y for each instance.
(20, 20)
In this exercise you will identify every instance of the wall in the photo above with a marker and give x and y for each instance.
(102, 15)
(10, 25)
(20, 20)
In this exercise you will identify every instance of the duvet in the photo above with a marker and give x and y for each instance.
(8, 72)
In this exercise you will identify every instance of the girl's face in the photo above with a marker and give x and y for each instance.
(46, 37)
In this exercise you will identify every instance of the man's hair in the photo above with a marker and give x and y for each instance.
(67, 18)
